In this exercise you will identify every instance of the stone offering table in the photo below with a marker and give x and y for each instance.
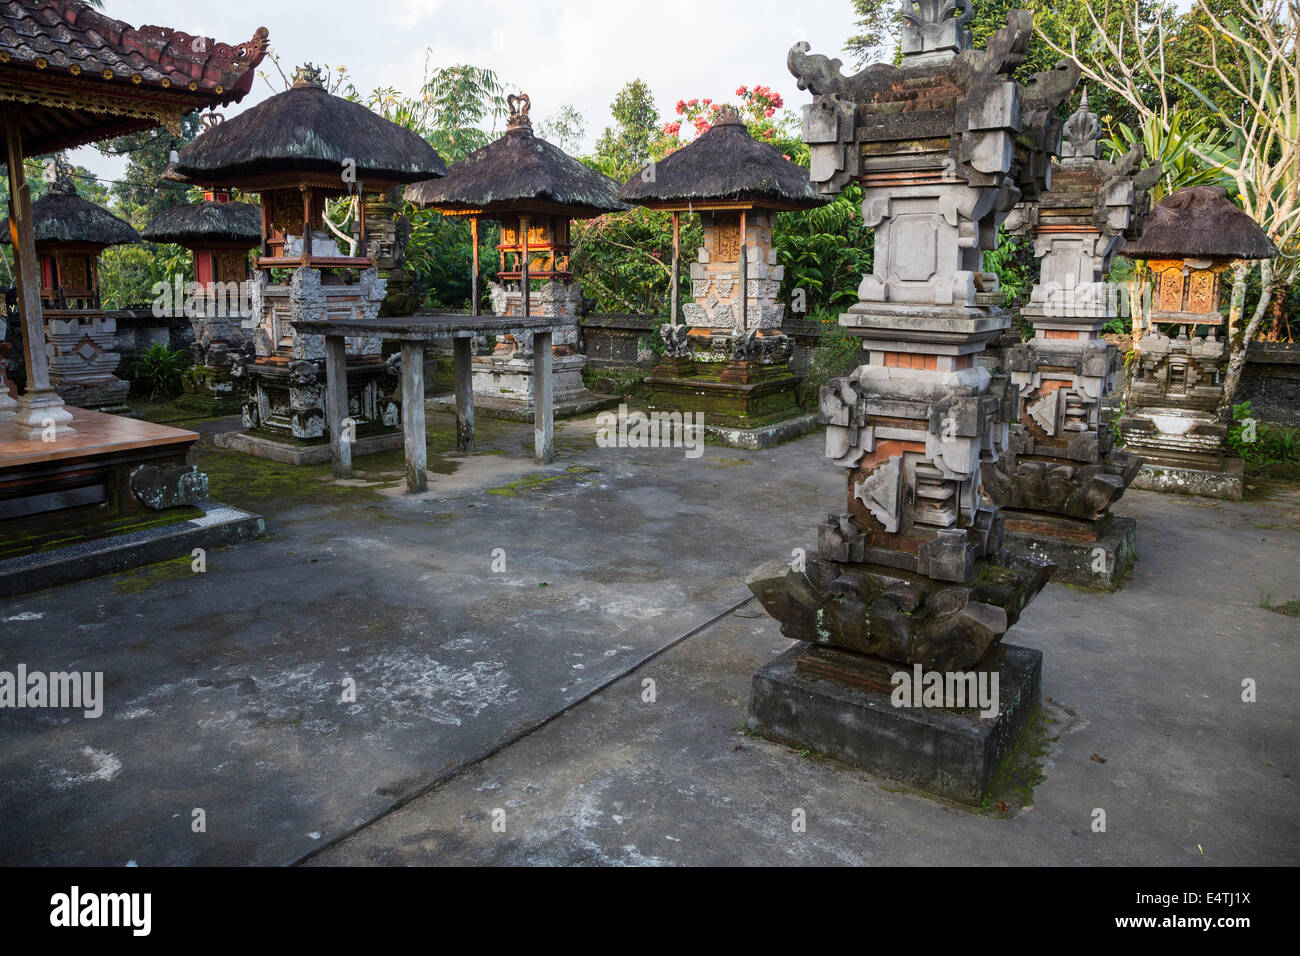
(414, 333)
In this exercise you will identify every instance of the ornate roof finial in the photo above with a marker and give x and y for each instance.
(935, 30)
(519, 106)
(64, 177)
(1081, 138)
(727, 115)
(307, 76)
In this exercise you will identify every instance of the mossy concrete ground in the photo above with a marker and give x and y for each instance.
(500, 647)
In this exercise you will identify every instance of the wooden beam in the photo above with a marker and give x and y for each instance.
(336, 405)
(462, 349)
(475, 308)
(676, 279)
(543, 400)
(414, 437)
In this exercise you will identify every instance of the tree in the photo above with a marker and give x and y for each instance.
(142, 193)
(1254, 57)
(566, 128)
(628, 144)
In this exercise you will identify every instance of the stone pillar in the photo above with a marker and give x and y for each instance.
(912, 571)
(1060, 475)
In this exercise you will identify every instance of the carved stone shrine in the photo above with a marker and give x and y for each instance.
(913, 569)
(71, 233)
(534, 190)
(725, 354)
(299, 149)
(1171, 418)
(1056, 482)
(219, 233)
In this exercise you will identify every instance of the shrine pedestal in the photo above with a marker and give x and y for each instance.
(1091, 554)
(503, 387)
(842, 705)
(744, 404)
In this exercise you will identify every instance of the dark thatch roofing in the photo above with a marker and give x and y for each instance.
(65, 217)
(196, 223)
(306, 129)
(1200, 222)
(724, 163)
(520, 169)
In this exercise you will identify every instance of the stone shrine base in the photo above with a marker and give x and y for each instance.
(503, 388)
(1076, 557)
(1206, 483)
(839, 704)
(744, 404)
(764, 437)
(291, 453)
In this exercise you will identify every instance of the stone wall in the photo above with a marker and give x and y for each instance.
(612, 340)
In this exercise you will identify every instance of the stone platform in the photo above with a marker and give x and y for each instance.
(216, 526)
(290, 453)
(949, 752)
(1114, 549)
(516, 411)
(1204, 483)
(763, 437)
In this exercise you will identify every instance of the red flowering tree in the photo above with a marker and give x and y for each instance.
(760, 107)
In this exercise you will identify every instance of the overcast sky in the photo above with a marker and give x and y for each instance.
(578, 52)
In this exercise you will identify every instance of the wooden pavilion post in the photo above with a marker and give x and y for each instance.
(40, 408)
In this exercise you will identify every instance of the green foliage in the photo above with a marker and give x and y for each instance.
(1194, 156)
(439, 253)
(625, 260)
(127, 274)
(631, 142)
(825, 251)
(142, 193)
(1263, 447)
(836, 355)
(1013, 263)
(158, 372)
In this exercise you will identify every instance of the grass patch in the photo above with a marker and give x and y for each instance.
(532, 482)
(1288, 609)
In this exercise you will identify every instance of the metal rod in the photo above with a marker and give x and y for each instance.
(676, 280)
(474, 307)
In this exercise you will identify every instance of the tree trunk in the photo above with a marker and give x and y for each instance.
(1237, 346)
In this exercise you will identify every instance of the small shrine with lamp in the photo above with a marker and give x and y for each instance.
(71, 233)
(1171, 417)
(726, 356)
(534, 190)
(297, 150)
(220, 233)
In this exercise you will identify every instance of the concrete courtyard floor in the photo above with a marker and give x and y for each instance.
(518, 697)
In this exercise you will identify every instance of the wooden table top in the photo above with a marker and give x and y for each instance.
(96, 433)
(425, 328)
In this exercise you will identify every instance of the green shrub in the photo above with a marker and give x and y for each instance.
(1266, 449)
(158, 372)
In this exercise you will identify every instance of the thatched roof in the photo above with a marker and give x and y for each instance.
(724, 163)
(1200, 222)
(61, 216)
(307, 130)
(196, 223)
(520, 169)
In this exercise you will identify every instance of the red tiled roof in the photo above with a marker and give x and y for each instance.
(67, 36)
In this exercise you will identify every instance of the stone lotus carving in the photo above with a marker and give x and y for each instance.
(908, 618)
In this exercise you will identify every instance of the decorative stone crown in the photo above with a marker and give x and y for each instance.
(64, 177)
(935, 29)
(308, 75)
(519, 106)
(1081, 139)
